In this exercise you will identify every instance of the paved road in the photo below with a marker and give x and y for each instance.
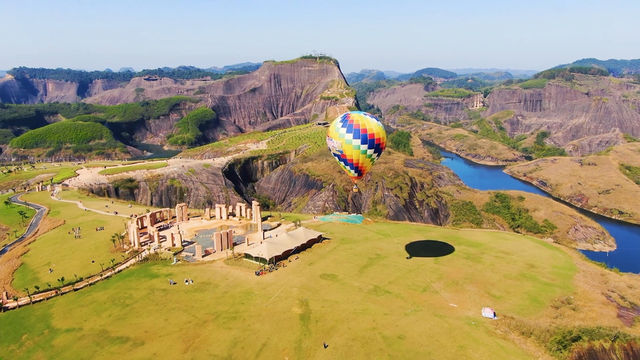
(33, 225)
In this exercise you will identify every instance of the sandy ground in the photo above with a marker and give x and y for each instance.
(88, 177)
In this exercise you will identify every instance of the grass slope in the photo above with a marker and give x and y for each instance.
(356, 292)
(14, 176)
(63, 133)
(144, 166)
(58, 250)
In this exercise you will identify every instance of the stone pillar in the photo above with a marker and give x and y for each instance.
(217, 241)
(177, 237)
(229, 239)
(178, 213)
(5, 297)
(225, 214)
(154, 235)
(248, 213)
(218, 212)
(207, 213)
(198, 251)
(185, 212)
(237, 213)
(225, 240)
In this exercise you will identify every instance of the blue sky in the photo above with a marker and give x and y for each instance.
(393, 35)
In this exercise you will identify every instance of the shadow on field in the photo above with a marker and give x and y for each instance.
(428, 248)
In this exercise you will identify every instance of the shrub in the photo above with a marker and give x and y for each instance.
(632, 172)
(401, 141)
(515, 215)
(465, 212)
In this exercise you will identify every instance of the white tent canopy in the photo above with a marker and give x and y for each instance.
(282, 242)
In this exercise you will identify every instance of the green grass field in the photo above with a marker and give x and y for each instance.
(357, 292)
(57, 249)
(10, 219)
(58, 174)
(98, 203)
(144, 166)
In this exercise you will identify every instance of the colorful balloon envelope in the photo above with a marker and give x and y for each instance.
(356, 140)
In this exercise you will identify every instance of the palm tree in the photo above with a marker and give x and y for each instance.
(36, 287)
(28, 293)
(61, 280)
(7, 202)
(23, 216)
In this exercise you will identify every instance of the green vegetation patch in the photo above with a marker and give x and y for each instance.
(516, 215)
(143, 110)
(400, 140)
(122, 169)
(465, 212)
(5, 136)
(534, 83)
(566, 73)
(62, 133)
(632, 172)
(627, 137)
(457, 93)
(190, 127)
(540, 149)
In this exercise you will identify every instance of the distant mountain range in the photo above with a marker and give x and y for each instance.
(492, 74)
(2, 73)
(517, 73)
(616, 67)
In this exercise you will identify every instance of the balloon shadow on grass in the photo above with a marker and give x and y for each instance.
(428, 248)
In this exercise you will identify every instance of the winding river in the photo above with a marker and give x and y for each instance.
(627, 255)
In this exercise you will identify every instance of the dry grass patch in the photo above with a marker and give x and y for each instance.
(593, 182)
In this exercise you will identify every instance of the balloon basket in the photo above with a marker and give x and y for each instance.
(355, 188)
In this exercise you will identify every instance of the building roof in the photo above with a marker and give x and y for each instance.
(282, 242)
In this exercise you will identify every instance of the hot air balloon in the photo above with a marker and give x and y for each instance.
(356, 139)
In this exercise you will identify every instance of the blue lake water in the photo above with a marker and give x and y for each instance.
(627, 255)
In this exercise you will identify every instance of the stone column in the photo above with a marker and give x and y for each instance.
(207, 213)
(229, 239)
(237, 213)
(178, 238)
(136, 239)
(248, 213)
(198, 251)
(218, 212)
(154, 235)
(225, 214)
(217, 241)
(179, 213)
(5, 297)
(185, 212)
(225, 240)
